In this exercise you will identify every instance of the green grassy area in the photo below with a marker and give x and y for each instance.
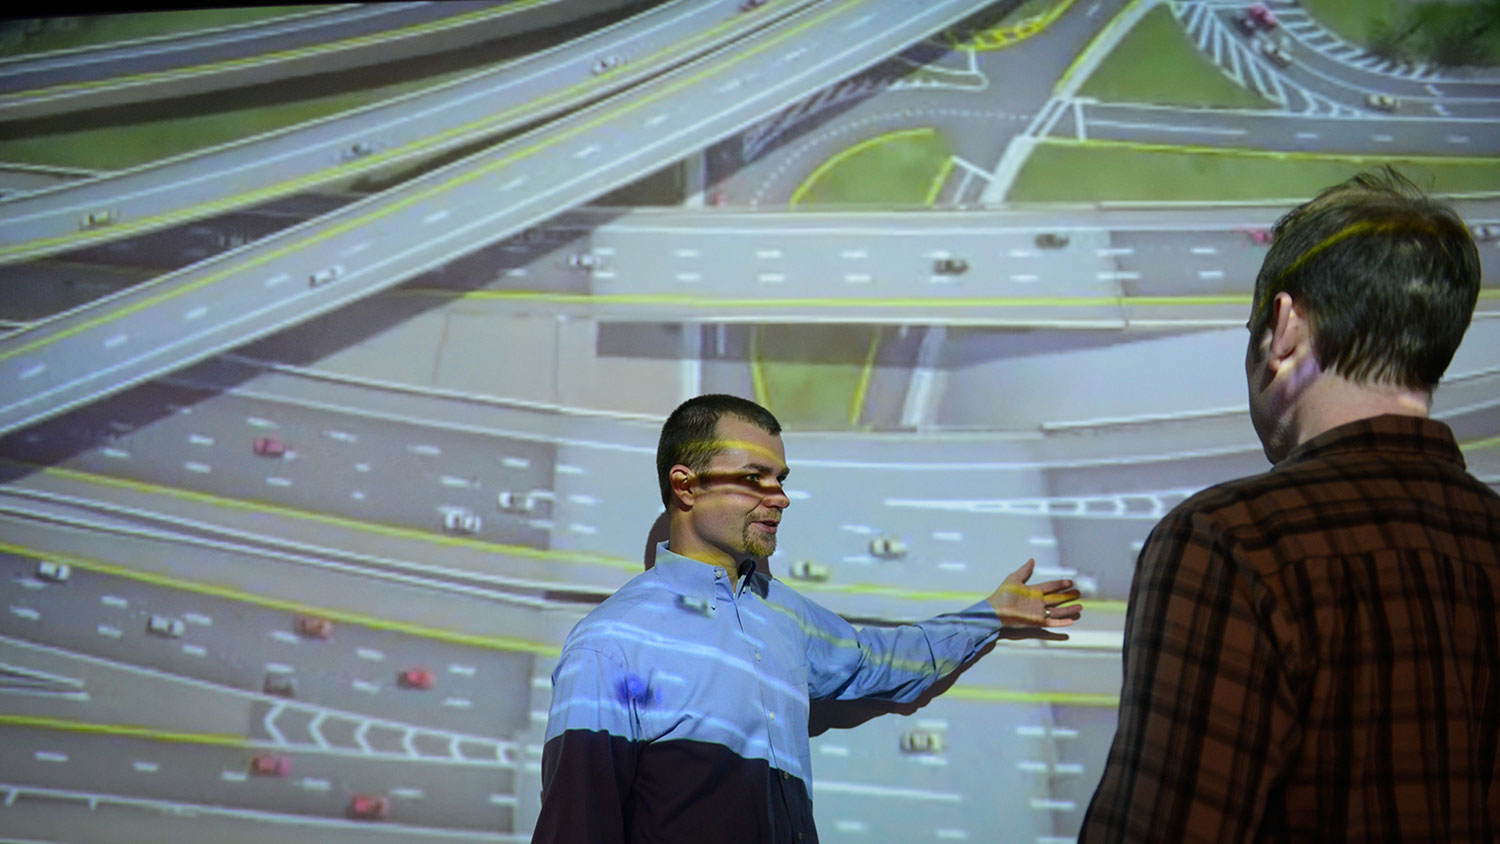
(1156, 63)
(811, 375)
(1351, 21)
(1052, 174)
(1460, 33)
(894, 169)
(37, 35)
(151, 136)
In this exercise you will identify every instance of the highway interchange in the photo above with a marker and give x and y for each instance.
(445, 450)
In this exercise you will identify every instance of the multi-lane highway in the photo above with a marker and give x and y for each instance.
(438, 455)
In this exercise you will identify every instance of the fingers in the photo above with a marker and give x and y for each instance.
(1052, 586)
(1023, 573)
(1063, 616)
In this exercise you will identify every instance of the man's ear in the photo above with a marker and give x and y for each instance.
(684, 484)
(1290, 335)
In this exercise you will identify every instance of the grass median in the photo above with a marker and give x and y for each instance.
(814, 377)
(1156, 63)
(896, 169)
(1131, 172)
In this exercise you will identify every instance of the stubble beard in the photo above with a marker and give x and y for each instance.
(757, 544)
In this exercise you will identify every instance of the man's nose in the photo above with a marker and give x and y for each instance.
(777, 497)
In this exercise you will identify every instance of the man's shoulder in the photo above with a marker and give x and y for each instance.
(625, 606)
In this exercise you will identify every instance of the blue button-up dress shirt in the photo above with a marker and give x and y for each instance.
(680, 705)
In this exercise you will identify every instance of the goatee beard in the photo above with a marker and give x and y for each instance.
(757, 546)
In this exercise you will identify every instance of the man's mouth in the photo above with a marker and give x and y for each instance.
(768, 525)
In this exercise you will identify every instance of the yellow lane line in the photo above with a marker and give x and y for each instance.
(757, 373)
(857, 406)
(1246, 152)
(1010, 696)
(281, 55)
(130, 730)
(1097, 43)
(826, 302)
(471, 175)
(843, 155)
(502, 643)
(1001, 37)
(937, 182)
(348, 169)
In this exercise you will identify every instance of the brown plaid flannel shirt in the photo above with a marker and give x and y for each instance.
(1313, 654)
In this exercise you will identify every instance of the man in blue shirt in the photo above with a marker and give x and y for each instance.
(680, 705)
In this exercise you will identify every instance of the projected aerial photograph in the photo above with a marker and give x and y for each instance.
(335, 341)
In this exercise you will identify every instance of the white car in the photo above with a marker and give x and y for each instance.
(53, 571)
(922, 741)
(809, 570)
(95, 219)
(583, 261)
(325, 275)
(887, 547)
(161, 625)
(1276, 53)
(1381, 102)
(510, 501)
(606, 64)
(1487, 231)
(694, 605)
(461, 521)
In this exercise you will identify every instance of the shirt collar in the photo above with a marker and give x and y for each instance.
(695, 579)
(1390, 433)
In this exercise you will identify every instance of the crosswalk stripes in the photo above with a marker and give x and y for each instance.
(1239, 60)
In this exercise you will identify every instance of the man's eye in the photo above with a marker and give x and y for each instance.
(753, 476)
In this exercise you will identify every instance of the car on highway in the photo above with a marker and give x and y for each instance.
(369, 807)
(583, 261)
(416, 678)
(325, 275)
(510, 501)
(951, 266)
(53, 571)
(694, 605)
(809, 570)
(1260, 17)
(95, 219)
(1276, 53)
(607, 64)
(358, 149)
(1258, 236)
(751, 5)
(887, 547)
(161, 625)
(314, 627)
(1487, 231)
(1381, 102)
(1051, 240)
(461, 520)
(922, 741)
(281, 685)
(267, 447)
(270, 765)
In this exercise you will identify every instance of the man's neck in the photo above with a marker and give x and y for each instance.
(708, 557)
(1334, 400)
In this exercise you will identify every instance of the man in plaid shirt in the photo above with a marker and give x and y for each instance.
(1313, 654)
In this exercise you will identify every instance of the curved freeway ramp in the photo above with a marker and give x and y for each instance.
(198, 63)
(401, 132)
(378, 242)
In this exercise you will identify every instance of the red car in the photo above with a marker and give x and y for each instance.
(368, 807)
(415, 678)
(314, 627)
(268, 447)
(1261, 17)
(270, 765)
